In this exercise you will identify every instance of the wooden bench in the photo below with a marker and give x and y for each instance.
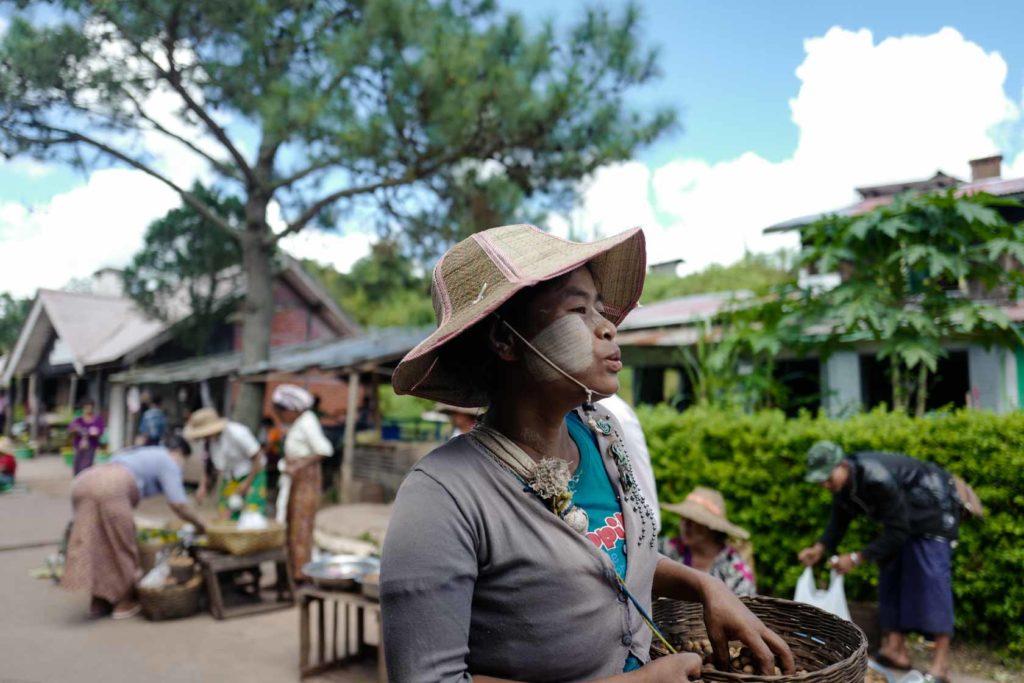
(215, 563)
(356, 609)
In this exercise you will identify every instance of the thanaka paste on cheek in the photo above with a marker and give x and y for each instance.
(568, 343)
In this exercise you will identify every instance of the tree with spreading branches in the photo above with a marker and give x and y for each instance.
(185, 264)
(385, 110)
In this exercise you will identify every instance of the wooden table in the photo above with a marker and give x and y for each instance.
(215, 562)
(354, 605)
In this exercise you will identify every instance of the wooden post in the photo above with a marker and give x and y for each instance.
(118, 426)
(374, 399)
(33, 406)
(19, 397)
(351, 415)
(73, 392)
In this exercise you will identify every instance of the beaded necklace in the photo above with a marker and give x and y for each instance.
(550, 479)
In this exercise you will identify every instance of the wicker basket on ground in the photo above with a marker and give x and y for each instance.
(829, 649)
(174, 601)
(228, 537)
(148, 551)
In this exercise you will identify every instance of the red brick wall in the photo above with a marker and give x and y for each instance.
(293, 322)
(333, 393)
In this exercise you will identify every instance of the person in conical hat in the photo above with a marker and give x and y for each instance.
(525, 550)
(237, 458)
(704, 540)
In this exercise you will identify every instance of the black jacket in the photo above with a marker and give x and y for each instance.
(908, 497)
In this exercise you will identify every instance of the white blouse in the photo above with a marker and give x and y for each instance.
(306, 439)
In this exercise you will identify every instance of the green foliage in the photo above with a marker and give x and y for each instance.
(13, 312)
(757, 462)
(377, 108)
(444, 114)
(383, 288)
(754, 272)
(186, 260)
(916, 272)
(395, 407)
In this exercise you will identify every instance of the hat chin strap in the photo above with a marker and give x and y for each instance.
(588, 404)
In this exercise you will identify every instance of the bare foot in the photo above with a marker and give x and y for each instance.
(893, 659)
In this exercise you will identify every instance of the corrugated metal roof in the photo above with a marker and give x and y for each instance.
(377, 346)
(93, 328)
(680, 310)
(191, 370)
(1000, 187)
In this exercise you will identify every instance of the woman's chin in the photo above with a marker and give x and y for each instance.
(607, 386)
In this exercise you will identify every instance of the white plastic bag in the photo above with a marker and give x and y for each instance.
(157, 576)
(832, 599)
(251, 520)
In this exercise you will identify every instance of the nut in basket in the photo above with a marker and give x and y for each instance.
(826, 649)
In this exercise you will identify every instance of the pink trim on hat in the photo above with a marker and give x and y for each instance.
(498, 257)
(705, 503)
(442, 290)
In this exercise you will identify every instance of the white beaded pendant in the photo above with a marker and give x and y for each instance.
(576, 518)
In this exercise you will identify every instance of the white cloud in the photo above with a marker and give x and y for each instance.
(97, 224)
(617, 198)
(331, 248)
(867, 113)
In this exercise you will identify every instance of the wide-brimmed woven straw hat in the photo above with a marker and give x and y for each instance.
(480, 273)
(444, 408)
(707, 506)
(203, 423)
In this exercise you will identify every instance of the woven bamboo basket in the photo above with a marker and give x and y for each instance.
(171, 602)
(148, 551)
(829, 649)
(227, 537)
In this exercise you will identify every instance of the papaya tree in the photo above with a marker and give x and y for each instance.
(915, 273)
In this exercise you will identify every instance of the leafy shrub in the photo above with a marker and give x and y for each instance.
(757, 462)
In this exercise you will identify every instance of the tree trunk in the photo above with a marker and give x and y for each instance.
(922, 390)
(897, 387)
(257, 307)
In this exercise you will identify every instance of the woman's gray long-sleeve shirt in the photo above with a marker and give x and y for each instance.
(480, 578)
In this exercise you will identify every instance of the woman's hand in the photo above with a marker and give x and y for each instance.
(726, 618)
(672, 669)
(812, 555)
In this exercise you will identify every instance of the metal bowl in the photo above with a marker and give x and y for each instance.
(341, 572)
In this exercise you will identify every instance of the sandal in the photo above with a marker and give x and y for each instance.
(932, 678)
(889, 663)
(126, 614)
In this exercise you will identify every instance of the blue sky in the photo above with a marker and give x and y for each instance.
(729, 67)
(786, 106)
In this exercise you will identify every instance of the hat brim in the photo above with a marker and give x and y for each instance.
(204, 431)
(619, 264)
(701, 515)
(816, 477)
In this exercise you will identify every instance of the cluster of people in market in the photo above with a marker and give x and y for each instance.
(102, 556)
(530, 545)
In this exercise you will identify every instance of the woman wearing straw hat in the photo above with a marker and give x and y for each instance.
(236, 456)
(304, 447)
(525, 550)
(463, 420)
(703, 541)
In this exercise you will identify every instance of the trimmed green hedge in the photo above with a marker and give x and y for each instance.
(756, 461)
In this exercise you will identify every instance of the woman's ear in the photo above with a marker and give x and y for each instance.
(501, 340)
